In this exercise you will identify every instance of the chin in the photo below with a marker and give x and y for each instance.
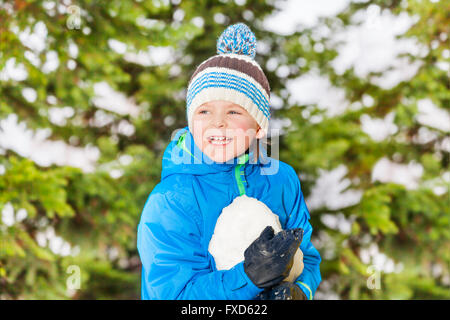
(220, 156)
(220, 159)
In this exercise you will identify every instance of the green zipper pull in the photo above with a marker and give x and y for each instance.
(182, 144)
(243, 159)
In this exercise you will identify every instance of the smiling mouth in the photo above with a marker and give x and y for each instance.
(219, 140)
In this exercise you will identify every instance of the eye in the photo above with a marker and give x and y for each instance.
(235, 112)
(202, 111)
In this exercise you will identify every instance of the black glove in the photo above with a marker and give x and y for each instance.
(283, 291)
(269, 258)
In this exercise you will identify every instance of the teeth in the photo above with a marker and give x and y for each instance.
(219, 140)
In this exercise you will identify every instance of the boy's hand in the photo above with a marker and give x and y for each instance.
(269, 258)
(283, 291)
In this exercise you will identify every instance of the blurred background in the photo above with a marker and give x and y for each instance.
(91, 92)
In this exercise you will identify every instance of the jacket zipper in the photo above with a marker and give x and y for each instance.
(238, 173)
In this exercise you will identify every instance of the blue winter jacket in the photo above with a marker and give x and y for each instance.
(180, 215)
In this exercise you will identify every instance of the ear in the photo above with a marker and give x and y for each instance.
(260, 133)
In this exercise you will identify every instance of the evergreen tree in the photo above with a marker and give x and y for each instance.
(94, 211)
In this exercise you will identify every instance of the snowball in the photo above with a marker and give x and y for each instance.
(238, 226)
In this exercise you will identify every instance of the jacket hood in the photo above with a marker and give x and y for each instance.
(182, 155)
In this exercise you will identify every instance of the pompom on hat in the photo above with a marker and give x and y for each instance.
(232, 75)
(238, 39)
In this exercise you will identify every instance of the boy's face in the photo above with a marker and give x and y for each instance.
(224, 119)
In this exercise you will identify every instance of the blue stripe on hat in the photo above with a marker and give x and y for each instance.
(227, 85)
(226, 80)
(229, 77)
(224, 76)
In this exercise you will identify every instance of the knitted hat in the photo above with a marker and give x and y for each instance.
(232, 75)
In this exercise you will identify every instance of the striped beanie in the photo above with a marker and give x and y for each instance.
(232, 75)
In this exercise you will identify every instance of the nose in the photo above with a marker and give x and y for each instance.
(218, 121)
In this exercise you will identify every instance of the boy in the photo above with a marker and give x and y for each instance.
(227, 111)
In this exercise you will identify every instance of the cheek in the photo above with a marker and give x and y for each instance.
(198, 135)
(197, 127)
(243, 124)
(245, 129)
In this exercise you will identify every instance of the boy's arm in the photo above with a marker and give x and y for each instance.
(299, 218)
(174, 263)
